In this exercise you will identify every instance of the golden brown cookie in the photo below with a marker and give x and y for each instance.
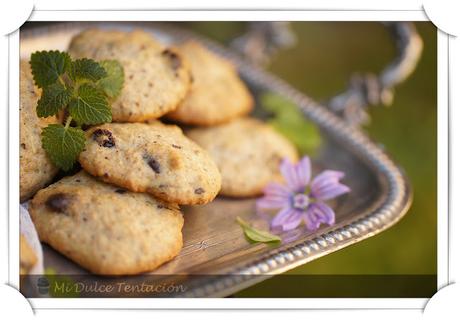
(153, 158)
(156, 77)
(216, 95)
(106, 229)
(247, 153)
(36, 169)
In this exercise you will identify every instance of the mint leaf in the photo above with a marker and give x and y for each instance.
(291, 122)
(54, 98)
(47, 66)
(87, 69)
(255, 235)
(63, 145)
(90, 106)
(113, 82)
(81, 87)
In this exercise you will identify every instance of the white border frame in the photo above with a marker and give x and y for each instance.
(443, 161)
(241, 303)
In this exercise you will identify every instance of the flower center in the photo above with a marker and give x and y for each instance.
(300, 201)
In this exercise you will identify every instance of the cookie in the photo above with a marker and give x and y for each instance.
(156, 77)
(27, 256)
(247, 152)
(106, 229)
(35, 168)
(216, 95)
(153, 158)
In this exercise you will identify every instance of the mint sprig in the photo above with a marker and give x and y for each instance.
(63, 144)
(87, 69)
(90, 106)
(83, 88)
(113, 82)
(255, 235)
(54, 98)
(48, 66)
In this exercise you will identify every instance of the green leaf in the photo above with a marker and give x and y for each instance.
(47, 66)
(256, 235)
(289, 120)
(113, 82)
(54, 98)
(63, 145)
(91, 106)
(87, 69)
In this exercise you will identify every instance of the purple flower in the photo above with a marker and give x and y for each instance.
(299, 200)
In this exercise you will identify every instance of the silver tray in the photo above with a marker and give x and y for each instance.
(216, 260)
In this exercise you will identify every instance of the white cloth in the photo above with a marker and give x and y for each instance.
(28, 231)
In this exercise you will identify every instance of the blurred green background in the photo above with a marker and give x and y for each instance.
(327, 53)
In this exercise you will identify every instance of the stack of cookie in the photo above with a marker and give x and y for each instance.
(121, 215)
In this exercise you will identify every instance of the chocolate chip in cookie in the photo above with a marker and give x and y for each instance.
(58, 202)
(104, 138)
(154, 158)
(199, 191)
(173, 57)
(104, 231)
(154, 164)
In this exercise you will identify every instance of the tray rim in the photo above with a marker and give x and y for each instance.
(394, 206)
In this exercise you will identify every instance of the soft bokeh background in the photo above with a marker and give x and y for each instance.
(320, 65)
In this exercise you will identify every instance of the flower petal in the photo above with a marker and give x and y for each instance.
(331, 191)
(271, 203)
(310, 219)
(318, 213)
(326, 212)
(293, 221)
(280, 217)
(291, 176)
(327, 175)
(277, 189)
(287, 219)
(326, 185)
(303, 170)
(276, 196)
(288, 171)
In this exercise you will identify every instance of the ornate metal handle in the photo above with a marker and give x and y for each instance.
(369, 89)
(264, 39)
